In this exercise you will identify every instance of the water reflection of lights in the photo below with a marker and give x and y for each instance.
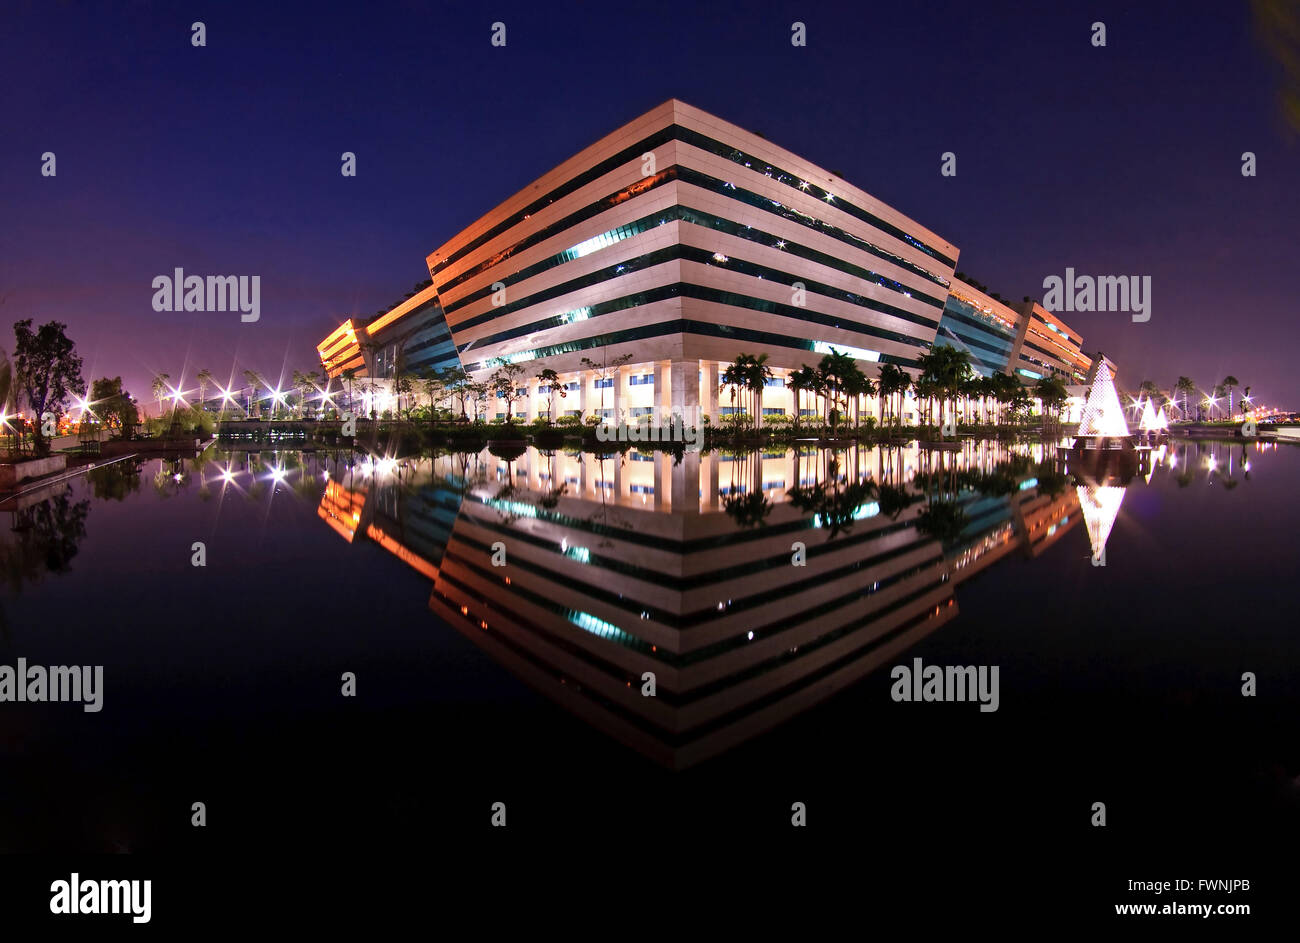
(1100, 506)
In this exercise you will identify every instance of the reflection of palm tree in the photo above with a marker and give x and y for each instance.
(835, 502)
(747, 509)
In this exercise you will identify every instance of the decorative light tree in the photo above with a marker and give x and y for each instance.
(1103, 416)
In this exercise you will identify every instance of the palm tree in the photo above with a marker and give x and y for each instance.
(348, 376)
(757, 373)
(304, 383)
(800, 381)
(858, 385)
(948, 369)
(1052, 394)
(885, 386)
(160, 387)
(1185, 386)
(735, 378)
(255, 381)
(900, 385)
(204, 379)
(1229, 384)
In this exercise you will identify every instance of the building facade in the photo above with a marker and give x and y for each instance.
(1047, 346)
(643, 265)
(981, 325)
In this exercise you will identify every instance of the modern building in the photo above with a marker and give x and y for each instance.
(642, 266)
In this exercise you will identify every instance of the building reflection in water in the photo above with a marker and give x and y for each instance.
(680, 566)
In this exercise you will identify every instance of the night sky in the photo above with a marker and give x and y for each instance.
(226, 159)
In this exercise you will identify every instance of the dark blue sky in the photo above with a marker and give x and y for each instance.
(225, 159)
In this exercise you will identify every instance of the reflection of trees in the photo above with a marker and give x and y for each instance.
(747, 504)
(747, 509)
(551, 497)
(835, 500)
(894, 501)
(170, 479)
(602, 515)
(943, 519)
(1051, 480)
(113, 482)
(44, 540)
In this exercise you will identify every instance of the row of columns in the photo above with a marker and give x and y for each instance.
(676, 389)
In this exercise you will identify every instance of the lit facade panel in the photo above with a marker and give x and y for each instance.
(1047, 346)
(412, 338)
(981, 325)
(340, 350)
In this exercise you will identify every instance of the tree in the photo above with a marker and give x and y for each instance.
(113, 407)
(1187, 387)
(404, 386)
(204, 379)
(947, 370)
(348, 376)
(1229, 384)
(432, 385)
(800, 381)
(457, 382)
(837, 373)
(734, 378)
(254, 380)
(504, 383)
(1052, 394)
(478, 394)
(757, 373)
(606, 369)
(160, 388)
(857, 385)
(552, 380)
(47, 372)
(891, 380)
(303, 383)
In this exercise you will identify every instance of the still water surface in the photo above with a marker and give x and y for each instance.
(1121, 614)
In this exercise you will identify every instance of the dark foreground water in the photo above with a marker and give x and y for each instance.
(1121, 613)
